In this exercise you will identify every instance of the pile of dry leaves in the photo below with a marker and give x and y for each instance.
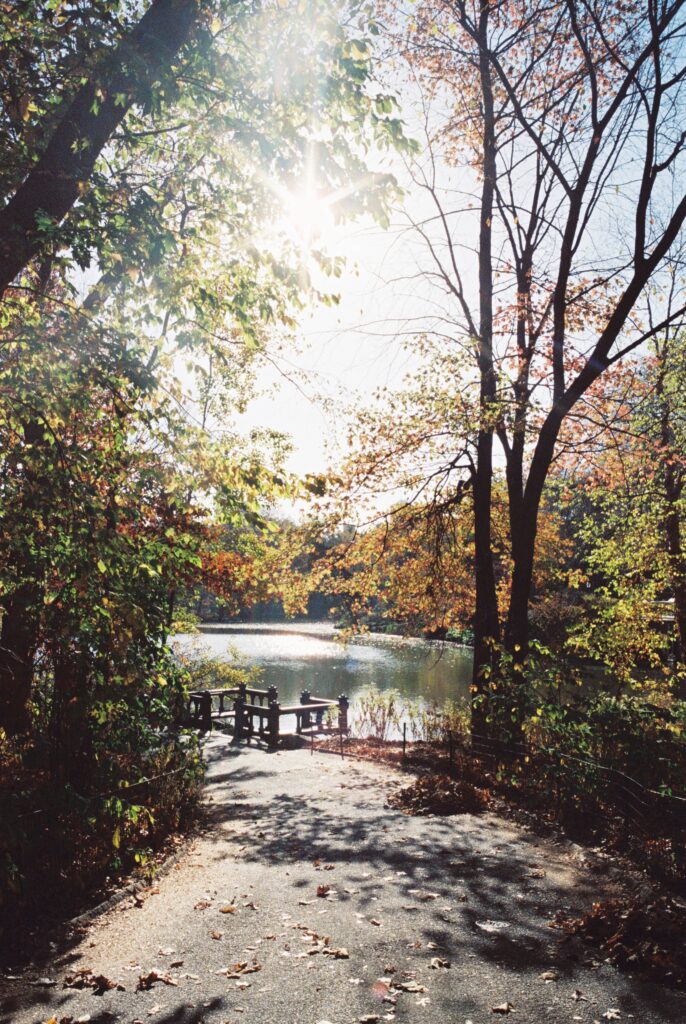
(439, 794)
(646, 936)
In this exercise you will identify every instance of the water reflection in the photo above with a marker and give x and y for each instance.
(307, 656)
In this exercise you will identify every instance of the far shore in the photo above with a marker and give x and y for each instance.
(322, 630)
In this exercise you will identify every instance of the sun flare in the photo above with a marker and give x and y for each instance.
(309, 217)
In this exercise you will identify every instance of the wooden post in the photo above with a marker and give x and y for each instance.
(343, 705)
(404, 738)
(206, 711)
(304, 718)
(239, 719)
(273, 723)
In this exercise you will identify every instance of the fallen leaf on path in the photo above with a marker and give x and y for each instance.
(437, 962)
(492, 926)
(612, 1014)
(202, 905)
(422, 894)
(146, 981)
(86, 979)
(217, 935)
(167, 951)
(228, 909)
(549, 976)
(154, 1010)
(176, 963)
(578, 996)
(411, 986)
(374, 921)
(503, 1008)
(238, 969)
(323, 890)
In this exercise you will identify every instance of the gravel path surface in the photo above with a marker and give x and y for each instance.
(406, 898)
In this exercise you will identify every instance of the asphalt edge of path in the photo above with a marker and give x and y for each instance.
(161, 870)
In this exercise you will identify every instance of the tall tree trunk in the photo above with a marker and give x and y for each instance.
(71, 722)
(486, 621)
(55, 181)
(21, 609)
(18, 642)
(677, 570)
(672, 482)
(486, 624)
(524, 541)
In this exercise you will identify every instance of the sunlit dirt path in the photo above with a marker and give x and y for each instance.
(474, 893)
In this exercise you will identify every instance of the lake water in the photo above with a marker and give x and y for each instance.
(308, 656)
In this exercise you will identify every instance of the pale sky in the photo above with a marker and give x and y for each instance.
(352, 349)
(344, 351)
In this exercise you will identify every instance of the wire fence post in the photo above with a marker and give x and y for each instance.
(404, 738)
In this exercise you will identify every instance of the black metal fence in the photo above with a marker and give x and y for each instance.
(648, 809)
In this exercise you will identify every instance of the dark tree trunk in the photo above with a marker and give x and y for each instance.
(523, 542)
(20, 630)
(673, 487)
(677, 568)
(71, 724)
(486, 624)
(486, 621)
(56, 179)
(18, 642)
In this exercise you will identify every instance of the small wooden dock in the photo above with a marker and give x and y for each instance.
(249, 712)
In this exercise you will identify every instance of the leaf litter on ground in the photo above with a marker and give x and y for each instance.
(441, 795)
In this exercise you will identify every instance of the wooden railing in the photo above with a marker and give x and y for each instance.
(255, 712)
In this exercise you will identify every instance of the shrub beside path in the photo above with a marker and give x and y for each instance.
(308, 900)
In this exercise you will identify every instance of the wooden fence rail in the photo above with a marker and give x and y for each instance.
(254, 712)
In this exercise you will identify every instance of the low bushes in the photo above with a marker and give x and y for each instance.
(609, 768)
(71, 827)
